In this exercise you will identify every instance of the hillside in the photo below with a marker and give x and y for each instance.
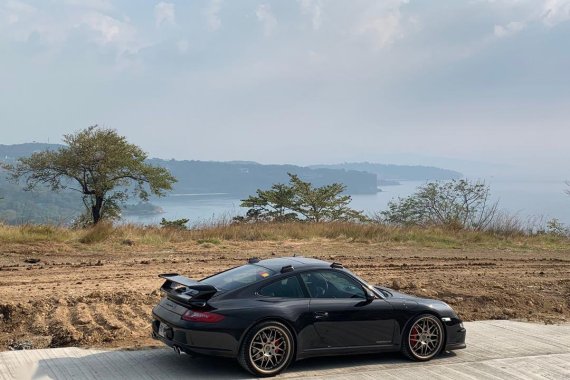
(12, 152)
(236, 178)
(397, 172)
(239, 178)
(244, 178)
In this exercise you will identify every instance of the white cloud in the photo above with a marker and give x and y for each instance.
(312, 8)
(19, 21)
(212, 13)
(164, 14)
(555, 12)
(12, 11)
(107, 31)
(100, 5)
(18, 6)
(382, 23)
(53, 28)
(509, 29)
(548, 12)
(266, 17)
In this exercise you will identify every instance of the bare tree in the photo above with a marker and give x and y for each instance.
(457, 204)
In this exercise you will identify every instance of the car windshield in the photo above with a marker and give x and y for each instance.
(238, 277)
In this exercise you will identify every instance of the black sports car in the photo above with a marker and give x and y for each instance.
(269, 313)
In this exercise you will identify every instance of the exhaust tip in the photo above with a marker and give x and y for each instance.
(176, 349)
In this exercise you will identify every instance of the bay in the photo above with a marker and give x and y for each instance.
(526, 199)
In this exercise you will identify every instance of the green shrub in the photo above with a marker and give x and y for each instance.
(179, 224)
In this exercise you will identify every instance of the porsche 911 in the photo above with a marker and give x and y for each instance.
(269, 313)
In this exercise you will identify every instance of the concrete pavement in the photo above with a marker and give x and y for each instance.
(495, 350)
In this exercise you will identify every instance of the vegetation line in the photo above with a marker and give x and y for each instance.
(105, 236)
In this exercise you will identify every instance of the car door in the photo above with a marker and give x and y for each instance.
(342, 315)
(289, 297)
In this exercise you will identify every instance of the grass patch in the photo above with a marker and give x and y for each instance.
(97, 233)
(30, 233)
(209, 241)
(215, 234)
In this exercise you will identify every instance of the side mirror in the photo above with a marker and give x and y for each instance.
(370, 296)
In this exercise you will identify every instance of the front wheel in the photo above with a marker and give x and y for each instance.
(267, 349)
(423, 339)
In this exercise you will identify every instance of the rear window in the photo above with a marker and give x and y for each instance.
(238, 277)
(286, 288)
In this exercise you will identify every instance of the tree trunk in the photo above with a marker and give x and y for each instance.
(96, 209)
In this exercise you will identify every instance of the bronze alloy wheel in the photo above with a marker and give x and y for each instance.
(268, 349)
(424, 338)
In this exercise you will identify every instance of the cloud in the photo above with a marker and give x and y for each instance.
(212, 13)
(19, 21)
(164, 14)
(266, 17)
(100, 5)
(312, 8)
(509, 29)
(18, 6)
(555, 12)
(549, 12)
(12, 11)
(107, 30)
(53, 28)
(382, 23)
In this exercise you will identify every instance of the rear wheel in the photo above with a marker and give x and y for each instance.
(267, 349)
(423, 339)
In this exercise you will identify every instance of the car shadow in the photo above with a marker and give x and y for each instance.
(351, 361)
(140, 364)
(165, 364)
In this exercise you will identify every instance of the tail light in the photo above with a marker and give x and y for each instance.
(202, 316)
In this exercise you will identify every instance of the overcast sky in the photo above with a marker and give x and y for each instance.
(309, 81)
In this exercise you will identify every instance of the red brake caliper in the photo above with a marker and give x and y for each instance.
(277, 348)
(414, 336)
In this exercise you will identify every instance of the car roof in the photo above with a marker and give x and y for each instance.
(296, 262)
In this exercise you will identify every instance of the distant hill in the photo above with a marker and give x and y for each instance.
(12, 152)
(386, 172)
(244, 178)
(233, 177)
(238, 178)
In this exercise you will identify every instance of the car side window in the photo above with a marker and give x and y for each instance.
(331, 284)
(286, 288)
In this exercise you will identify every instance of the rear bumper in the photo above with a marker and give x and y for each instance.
(193, 338)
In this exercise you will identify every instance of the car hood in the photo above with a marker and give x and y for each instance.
(392, 294)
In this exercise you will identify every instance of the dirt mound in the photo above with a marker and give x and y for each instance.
(95, 319)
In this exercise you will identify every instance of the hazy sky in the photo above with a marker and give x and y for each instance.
(310, 81)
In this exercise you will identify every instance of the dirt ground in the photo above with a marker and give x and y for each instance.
(94, 296)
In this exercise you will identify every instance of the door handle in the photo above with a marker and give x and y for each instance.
(321, 314)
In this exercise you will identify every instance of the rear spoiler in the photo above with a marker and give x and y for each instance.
(185, 290)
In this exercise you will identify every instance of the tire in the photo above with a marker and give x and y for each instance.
(267, 349)
(423, 339)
